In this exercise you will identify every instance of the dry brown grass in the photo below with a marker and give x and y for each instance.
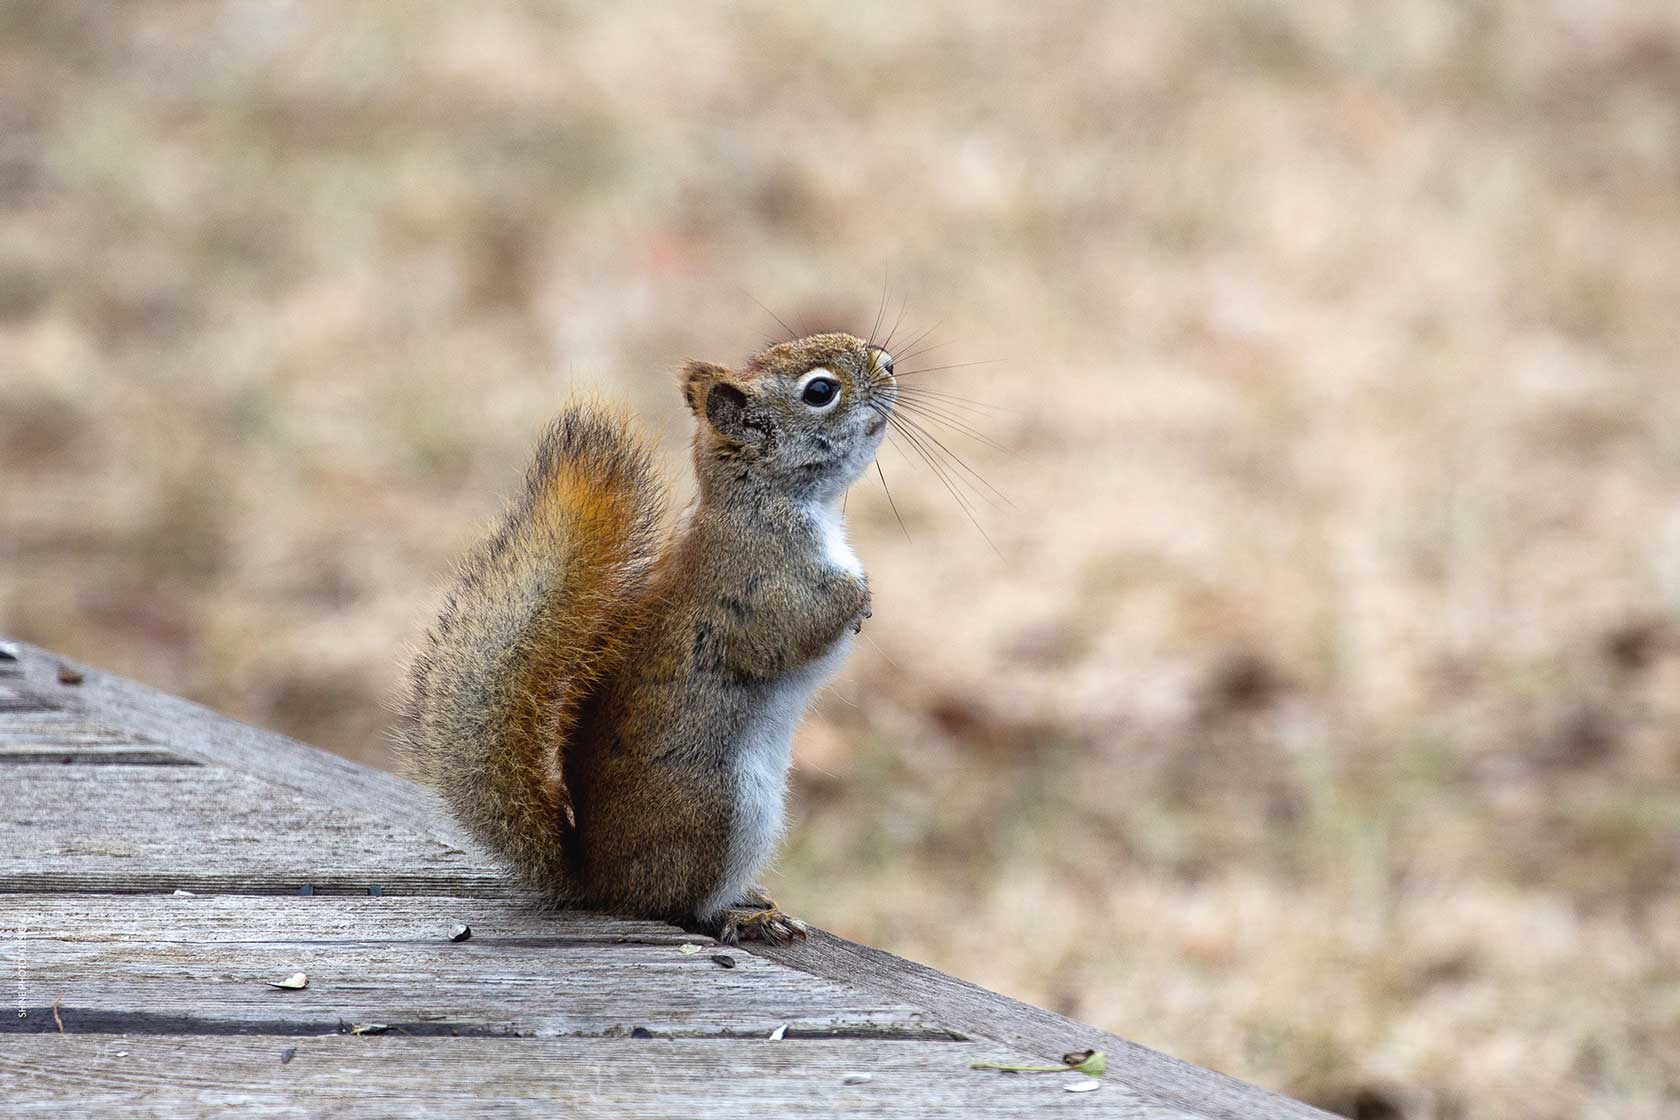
(1319, 716)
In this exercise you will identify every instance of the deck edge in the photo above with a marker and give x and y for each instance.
(201, 733)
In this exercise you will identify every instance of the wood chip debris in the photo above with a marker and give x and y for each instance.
(1083, 1085)
(460, 932)
(288, 1054)
(687, 949)
(67, 675)
(779, 1033)
(723, 960)
(369, 1028)
(856, 1078)
(184, 894)
(295, 982)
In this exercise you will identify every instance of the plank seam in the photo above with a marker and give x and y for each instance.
(45, 1020)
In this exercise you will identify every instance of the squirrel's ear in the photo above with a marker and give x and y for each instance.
(726, 412)
(697, 380)
(711, 393)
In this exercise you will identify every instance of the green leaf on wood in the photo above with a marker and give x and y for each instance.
(1092, 1063)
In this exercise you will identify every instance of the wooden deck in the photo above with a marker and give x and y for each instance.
(160, 865)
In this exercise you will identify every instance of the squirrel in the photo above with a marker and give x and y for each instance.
(608, 705)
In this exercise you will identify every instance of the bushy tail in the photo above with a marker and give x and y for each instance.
(539, 614)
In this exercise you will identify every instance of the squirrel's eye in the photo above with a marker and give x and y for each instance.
(883, 361)
(820, 391)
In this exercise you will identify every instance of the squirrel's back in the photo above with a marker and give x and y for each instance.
(540, 613)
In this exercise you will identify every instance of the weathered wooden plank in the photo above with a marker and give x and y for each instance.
(232, 919)
(38, 736)
(387, 1075)
(192, 966)
(374, 879)
(92, 754)
(329, 782)
(11, 701)
(64, 737)
(15, 693)
(33, 727)
(150, 828)
(981, 1013)
(196, 732)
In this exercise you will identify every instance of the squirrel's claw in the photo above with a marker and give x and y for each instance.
(766, 924)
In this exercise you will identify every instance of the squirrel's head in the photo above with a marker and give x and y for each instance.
(806, 416)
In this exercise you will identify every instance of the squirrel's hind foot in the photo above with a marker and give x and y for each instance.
(754, 922)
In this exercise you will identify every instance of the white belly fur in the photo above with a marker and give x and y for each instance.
(764, 750)
(762, 756)
(835, 545)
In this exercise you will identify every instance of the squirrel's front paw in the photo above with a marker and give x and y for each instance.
(760, 923)
(865, 605)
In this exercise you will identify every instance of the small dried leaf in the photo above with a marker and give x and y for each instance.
(687, 949)
(292, 983)
(370, 1028)
(779, 1033)
(1086, 1086)
(1092, 1063)
(856, 1078)
(460, 932)
(723, 960)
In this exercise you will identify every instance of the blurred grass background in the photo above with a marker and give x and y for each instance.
(1318, 715)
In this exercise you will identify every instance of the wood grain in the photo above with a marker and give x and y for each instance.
(386, 1075)
(978, 1012)
(15, 694)
(197, 732)
(115, 794)
(191, 966)
(221, 918)
(121, 827)
(87, 752)
(37, 725)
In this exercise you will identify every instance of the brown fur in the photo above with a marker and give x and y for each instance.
(579, 700)
(540, 614)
